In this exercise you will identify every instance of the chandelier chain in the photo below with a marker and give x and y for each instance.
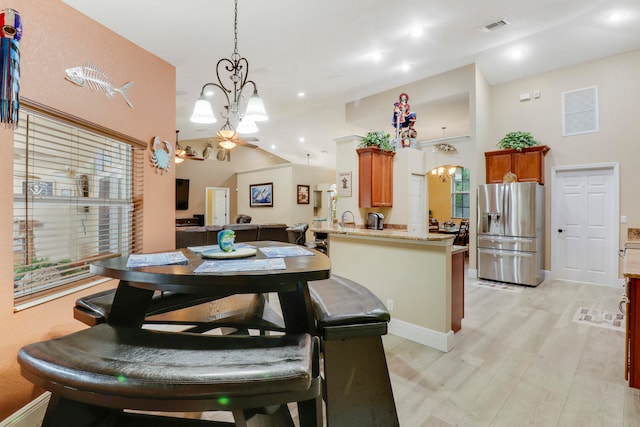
(235, 31)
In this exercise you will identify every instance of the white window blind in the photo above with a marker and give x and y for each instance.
(73, 202)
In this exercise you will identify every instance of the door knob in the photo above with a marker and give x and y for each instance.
(559, 230)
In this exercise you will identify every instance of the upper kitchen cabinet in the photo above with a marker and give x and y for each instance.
(527, 165)
(375, 177)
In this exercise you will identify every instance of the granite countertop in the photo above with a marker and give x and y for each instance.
(631, 266)
(386, 233)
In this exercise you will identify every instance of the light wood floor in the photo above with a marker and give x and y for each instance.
(519, 360)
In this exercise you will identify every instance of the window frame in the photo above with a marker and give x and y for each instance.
(136, 176)
(465, 178)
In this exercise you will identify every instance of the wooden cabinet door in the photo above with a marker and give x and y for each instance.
(528, 166)
(375, 177)
(633, 333)
(382, 181)
(497, 165)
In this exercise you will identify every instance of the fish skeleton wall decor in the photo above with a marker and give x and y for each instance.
(97, 80)
(10, 34)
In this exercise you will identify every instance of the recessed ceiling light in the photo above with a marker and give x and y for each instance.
(416, 31)
(617, 16)
(376, 56)
(405, 67)
(273, 146)
(517, 53)
(301, 139)
(300, 94)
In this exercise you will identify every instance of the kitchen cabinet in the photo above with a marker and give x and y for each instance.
(632, 337)
(375, 177)
(631, 271)
(527, 165)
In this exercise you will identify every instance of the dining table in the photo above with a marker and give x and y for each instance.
(450, 230)
(280, 268)
(290, 281)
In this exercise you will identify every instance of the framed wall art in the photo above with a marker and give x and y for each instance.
(303, 194)
(344, 184)
(261, 195)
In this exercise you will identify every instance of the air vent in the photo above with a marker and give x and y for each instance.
(494, 26)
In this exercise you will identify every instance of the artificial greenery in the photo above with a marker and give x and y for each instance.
(517, 140)
(377, 139)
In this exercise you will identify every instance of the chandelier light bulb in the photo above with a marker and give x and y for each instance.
(226, 144)
(202, 112)
(255, 109)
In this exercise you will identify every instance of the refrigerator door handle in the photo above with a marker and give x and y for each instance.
(512, 254)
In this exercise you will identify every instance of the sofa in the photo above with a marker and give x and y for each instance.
(201, 236)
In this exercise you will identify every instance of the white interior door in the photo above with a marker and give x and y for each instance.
(216, 206)
(418, 217)
(584, 223)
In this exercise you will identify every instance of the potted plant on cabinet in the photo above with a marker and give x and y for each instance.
(377, 139)
(517, 141)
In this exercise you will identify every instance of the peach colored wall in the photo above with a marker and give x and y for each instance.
(57, 37)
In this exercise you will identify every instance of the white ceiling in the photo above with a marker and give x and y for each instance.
(323, 48)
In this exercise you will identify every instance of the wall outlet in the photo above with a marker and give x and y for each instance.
(389, 304)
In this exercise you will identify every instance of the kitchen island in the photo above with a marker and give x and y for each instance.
(410, 273)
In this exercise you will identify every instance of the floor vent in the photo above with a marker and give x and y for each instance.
(494, 26)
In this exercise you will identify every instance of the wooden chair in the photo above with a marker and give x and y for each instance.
(462, 238)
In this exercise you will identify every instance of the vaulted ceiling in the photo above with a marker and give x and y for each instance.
(337, 51)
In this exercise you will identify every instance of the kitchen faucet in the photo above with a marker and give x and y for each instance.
(343, 217)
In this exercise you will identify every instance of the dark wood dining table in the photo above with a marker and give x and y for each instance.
(452, 230)
(137, 285)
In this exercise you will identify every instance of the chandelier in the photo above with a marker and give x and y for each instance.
(244, 113)
(444, 173)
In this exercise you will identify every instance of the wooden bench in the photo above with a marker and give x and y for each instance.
(197, 313)
(351, 321)
(97, 373)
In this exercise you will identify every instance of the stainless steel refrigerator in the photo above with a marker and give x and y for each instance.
(511, 232)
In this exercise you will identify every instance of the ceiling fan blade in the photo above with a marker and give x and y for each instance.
(244, 143)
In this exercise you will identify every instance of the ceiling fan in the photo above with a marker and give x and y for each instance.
(185, 153)
(225, 145)
(226, 139)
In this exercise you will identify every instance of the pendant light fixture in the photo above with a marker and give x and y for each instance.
(240, 113)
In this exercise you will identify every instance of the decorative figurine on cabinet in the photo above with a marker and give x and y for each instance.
(403, 121)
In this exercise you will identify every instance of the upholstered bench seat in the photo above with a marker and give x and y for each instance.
(350, 321)
(201, 312)
(123, 368)
(345, 308)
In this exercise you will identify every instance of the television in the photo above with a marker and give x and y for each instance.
(182, 194)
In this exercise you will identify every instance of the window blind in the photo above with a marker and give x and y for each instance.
(73, 202)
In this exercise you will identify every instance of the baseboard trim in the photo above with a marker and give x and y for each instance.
(30, 414)
(421, 335)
